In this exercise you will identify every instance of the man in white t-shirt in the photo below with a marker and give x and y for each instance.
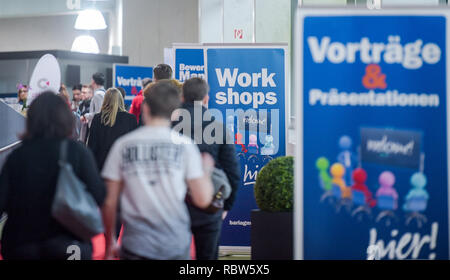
(151, 170)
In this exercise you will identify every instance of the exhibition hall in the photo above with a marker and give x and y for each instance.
(225, 131)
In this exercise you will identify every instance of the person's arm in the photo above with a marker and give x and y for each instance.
(198, 176)
(230, 165)
(113, 177)
(201, 192)
(109, 212)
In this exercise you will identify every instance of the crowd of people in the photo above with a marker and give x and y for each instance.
(154, 185)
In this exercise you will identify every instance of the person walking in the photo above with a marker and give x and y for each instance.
(135, 107)
(206, 227)
(97, 85)
(151, 170)
(107, 126)
(28, 184)
(83, 109)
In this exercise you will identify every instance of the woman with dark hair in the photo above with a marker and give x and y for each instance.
(28, 184)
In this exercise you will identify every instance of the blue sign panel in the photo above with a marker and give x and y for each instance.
(391, 147)
(130, 78)
(247, 88)
(189, 63)
(375, 137)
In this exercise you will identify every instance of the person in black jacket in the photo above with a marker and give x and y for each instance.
(112, 122)
(28, 185)
(206, 227)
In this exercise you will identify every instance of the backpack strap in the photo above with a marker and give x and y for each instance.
(63, 152)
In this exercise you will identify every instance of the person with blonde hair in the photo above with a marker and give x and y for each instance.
(112, 122)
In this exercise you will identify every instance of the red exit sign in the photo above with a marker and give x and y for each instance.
(238, 34)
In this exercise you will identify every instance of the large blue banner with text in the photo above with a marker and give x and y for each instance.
(189, 63)
(375, 137)
(130, 78)
(248, 88)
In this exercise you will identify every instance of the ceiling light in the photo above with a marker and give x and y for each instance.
(85, 44)
(90, 20)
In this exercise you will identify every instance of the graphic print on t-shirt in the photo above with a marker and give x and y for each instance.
(151, 157)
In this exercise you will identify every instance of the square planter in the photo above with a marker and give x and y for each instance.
(272, 235)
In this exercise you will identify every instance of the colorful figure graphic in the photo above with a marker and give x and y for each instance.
(338, 171)
(325, 180)
(339, 190)
(253, 144)
(269, 147)
(387, 197)
(347, 158)
(238, 141)
(361, 196)
(417, 199)
(322, 165)
(359, 185)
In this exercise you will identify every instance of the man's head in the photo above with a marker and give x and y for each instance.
(195, 90)
(146, 82)
(86, 92)
(98, 80)
(161, 100)
(76, 93)
(162, 72)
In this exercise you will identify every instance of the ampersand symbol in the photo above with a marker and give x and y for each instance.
(374, 78)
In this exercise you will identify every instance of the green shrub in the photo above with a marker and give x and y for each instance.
(274, 187)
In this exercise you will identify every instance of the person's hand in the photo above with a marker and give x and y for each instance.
(224, 215)
(208, 163)
(84, 119)
(112, 252)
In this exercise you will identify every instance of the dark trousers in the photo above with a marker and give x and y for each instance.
(207, 238)
(58, 248)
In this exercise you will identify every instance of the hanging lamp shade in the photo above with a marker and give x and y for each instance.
(90, 20)
(85, 44)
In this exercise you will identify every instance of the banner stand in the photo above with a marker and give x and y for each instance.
(247, 60)
(409, 230)
(130, 78)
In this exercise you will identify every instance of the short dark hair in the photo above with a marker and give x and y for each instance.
(195, 89)
(123, 92)
(146, 82)
(163, 98)
(162, 72)
(77, 87)
(49, 117)
(99, 78)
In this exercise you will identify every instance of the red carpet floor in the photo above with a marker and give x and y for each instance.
(98, 244)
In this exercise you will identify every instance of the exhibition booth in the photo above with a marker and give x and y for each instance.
(368, 175)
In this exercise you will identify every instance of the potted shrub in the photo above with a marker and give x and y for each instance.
(272, 224)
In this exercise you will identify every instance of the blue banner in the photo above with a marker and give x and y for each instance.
(375, 137)
(247, 89)
(130, 78)
(189, 63)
